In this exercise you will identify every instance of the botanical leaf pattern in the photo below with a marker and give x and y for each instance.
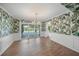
(61, 24)
(8, 24)
(66, 24)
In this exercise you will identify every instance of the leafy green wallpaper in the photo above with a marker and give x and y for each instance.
(74, 7)
(66, 24)
(62, 24)
(8, 24)
(75, 24)
(15, 25)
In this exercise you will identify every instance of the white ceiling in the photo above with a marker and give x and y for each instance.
(27, 11)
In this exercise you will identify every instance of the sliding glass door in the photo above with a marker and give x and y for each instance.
(30, 31)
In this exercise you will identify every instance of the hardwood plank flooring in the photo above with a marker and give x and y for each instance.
(38, 47)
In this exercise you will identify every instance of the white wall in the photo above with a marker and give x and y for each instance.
(0, 46)
(7, 41)
(69, 41)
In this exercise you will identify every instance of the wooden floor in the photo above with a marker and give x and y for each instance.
(38, 47)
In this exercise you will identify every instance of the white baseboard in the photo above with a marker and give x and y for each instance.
(69, 41)
(7, 41)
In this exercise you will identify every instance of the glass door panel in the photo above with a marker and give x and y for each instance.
(30, 31)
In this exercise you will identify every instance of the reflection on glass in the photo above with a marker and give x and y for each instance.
(30, 31)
